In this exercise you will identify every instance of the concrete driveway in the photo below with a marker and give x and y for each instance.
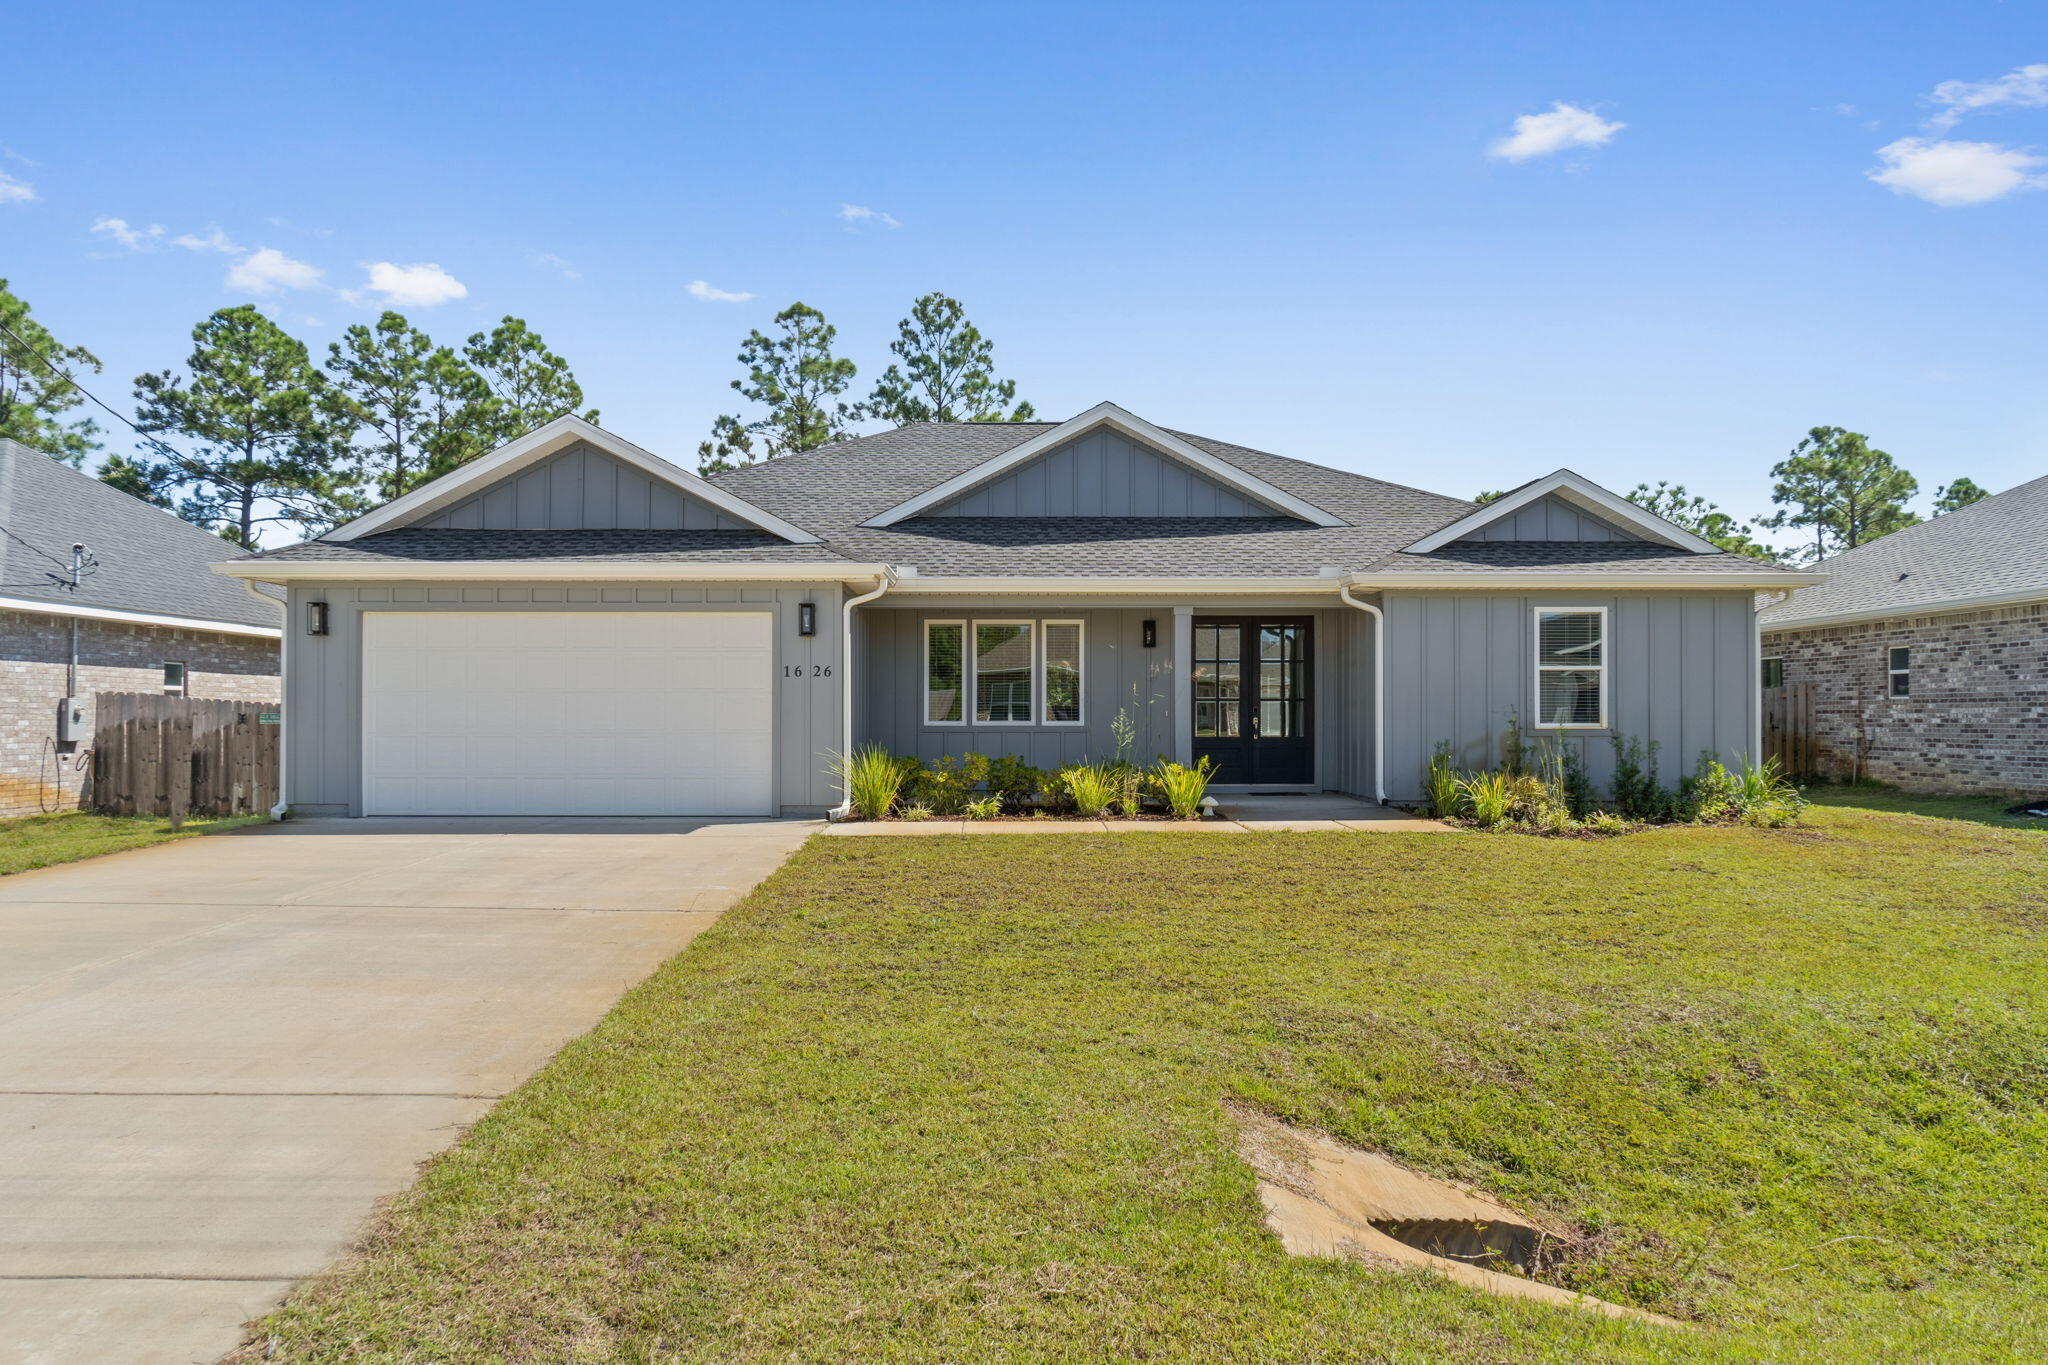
(217, 1055)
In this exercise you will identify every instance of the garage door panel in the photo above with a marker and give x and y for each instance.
(582, 713)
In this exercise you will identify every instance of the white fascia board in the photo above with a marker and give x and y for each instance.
(1852, 617)
(531, 449)
(923, 585)
(1593, 580)
(1582, 492)
(485, 571)
(1131, 425)
(142, 618)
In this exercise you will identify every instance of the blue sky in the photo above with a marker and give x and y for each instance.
(1311, 229)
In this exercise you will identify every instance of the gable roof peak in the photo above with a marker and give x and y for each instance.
(1580, 491)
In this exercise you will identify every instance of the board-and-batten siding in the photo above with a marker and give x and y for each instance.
(1681, 671)
(1550, 518)
(582, 489)
(1101, 473)
(323, 674)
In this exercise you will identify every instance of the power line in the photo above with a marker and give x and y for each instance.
(190, 467)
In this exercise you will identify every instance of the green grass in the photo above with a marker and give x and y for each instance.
(45, 840)
(1983, 810)
(957, 1099)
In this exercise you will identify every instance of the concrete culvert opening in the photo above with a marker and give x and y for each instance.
(1327, 1198)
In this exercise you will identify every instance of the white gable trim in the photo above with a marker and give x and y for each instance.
(531, 449)
(1582, 493)
(1131, 425)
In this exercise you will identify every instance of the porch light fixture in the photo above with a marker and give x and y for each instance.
(1151, 635)
(316, 618)
(807, 618)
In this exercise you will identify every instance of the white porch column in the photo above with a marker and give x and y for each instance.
(1184, 685)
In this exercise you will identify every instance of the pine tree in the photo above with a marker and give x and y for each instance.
(1835, 484)
(529, 384)
(1952, 497)
(798, 379)
(947, 372)
(1704, 519)
(417, 408)
(34, 395)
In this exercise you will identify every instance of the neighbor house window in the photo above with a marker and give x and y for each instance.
(945, 672)
(1774, 672)
(1571, 667)
(174, 679)
(1062, 672)
(1003, 659)
(1898, 667)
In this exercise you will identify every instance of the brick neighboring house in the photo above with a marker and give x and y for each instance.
(1928, 650)
(151, 618)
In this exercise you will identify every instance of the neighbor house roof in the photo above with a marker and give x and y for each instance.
(153, 567)
(1988, 553)
(836, 492)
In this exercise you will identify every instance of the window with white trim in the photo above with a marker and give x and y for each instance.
(1898, 671)
(1003, 673)
(1571, 667)
(945, 672)
(1060, 669)
(174, 678)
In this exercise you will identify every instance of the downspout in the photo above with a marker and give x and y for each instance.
(882, 585)
(1379, 689)
(284, 738)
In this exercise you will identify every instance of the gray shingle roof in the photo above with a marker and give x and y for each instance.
(1564, 557)
(831, 491)
(1997, 547)
(150, 561)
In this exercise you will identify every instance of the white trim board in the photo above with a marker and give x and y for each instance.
(531, 449)
(525, 570)
(1581, 492)
(142, 618)
(1131, 425)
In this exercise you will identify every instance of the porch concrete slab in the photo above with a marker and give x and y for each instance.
(72, 1321)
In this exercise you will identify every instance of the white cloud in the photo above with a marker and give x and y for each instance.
(413, 286)
(1953, 174)
(551, 261)
(134, 238)
(14, 191)
(267, 270)
(700, 290)
(1566, 125)
(214, 240)
(861, 214)
(2025, 87)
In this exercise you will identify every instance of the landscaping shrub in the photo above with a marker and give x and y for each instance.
(1446, 793)
(1091, 786)
(984, 808)
(1490, 797)
(1181, 787)
(947, 783)
(872, 778)
(1014, 782)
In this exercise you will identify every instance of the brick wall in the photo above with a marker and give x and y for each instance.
(1977, 716)
(112, 657)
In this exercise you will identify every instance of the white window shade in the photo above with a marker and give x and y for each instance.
(945, 672)
(1062, 690)
(1571, 667)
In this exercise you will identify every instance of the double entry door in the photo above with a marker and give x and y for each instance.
(1253, 712)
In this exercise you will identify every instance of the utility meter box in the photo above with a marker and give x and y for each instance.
(71, 728)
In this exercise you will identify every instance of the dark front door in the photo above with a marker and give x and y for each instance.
(1252, 703)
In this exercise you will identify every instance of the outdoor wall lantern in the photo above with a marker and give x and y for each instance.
(316, 618)
(807, 618)
(1151, 635)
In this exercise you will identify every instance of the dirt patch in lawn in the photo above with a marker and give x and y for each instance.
(1326, 1198)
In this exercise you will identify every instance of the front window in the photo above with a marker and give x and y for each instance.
(1899, 671)
(1002, 672)
(1571, 667)
(1062, 672)
(174, 679)
(945, 672)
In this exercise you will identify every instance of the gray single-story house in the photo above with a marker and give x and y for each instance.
(572, 625)
(1927, 651)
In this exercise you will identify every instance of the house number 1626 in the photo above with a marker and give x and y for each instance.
(807, 670)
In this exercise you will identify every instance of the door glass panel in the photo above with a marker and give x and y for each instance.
(1280, 699)
(1217, 681)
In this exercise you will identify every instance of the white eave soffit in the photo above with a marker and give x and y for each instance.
(1582, 493)
(537, 445)
(1131, 425)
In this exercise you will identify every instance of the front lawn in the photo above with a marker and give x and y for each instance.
(45, 840)
(1983, 810)
(959, 1099)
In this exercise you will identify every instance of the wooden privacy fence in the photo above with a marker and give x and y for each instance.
(1788, 729)
(177, 756)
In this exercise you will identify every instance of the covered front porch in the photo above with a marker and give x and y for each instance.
(1276, 692)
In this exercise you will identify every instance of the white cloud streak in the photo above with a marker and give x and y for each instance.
(2023, 87)
(700, 290)
(1566, 125)
(214, 240)
(1956, 174)
(134, 238)
(551, 261)
(14, 191)
(859, 215)
(268, 270)
(413, 286)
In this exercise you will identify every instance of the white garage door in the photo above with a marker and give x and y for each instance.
(567, 713)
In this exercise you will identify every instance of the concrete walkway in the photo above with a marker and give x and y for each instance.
(217, 1055)
(1234, 815)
